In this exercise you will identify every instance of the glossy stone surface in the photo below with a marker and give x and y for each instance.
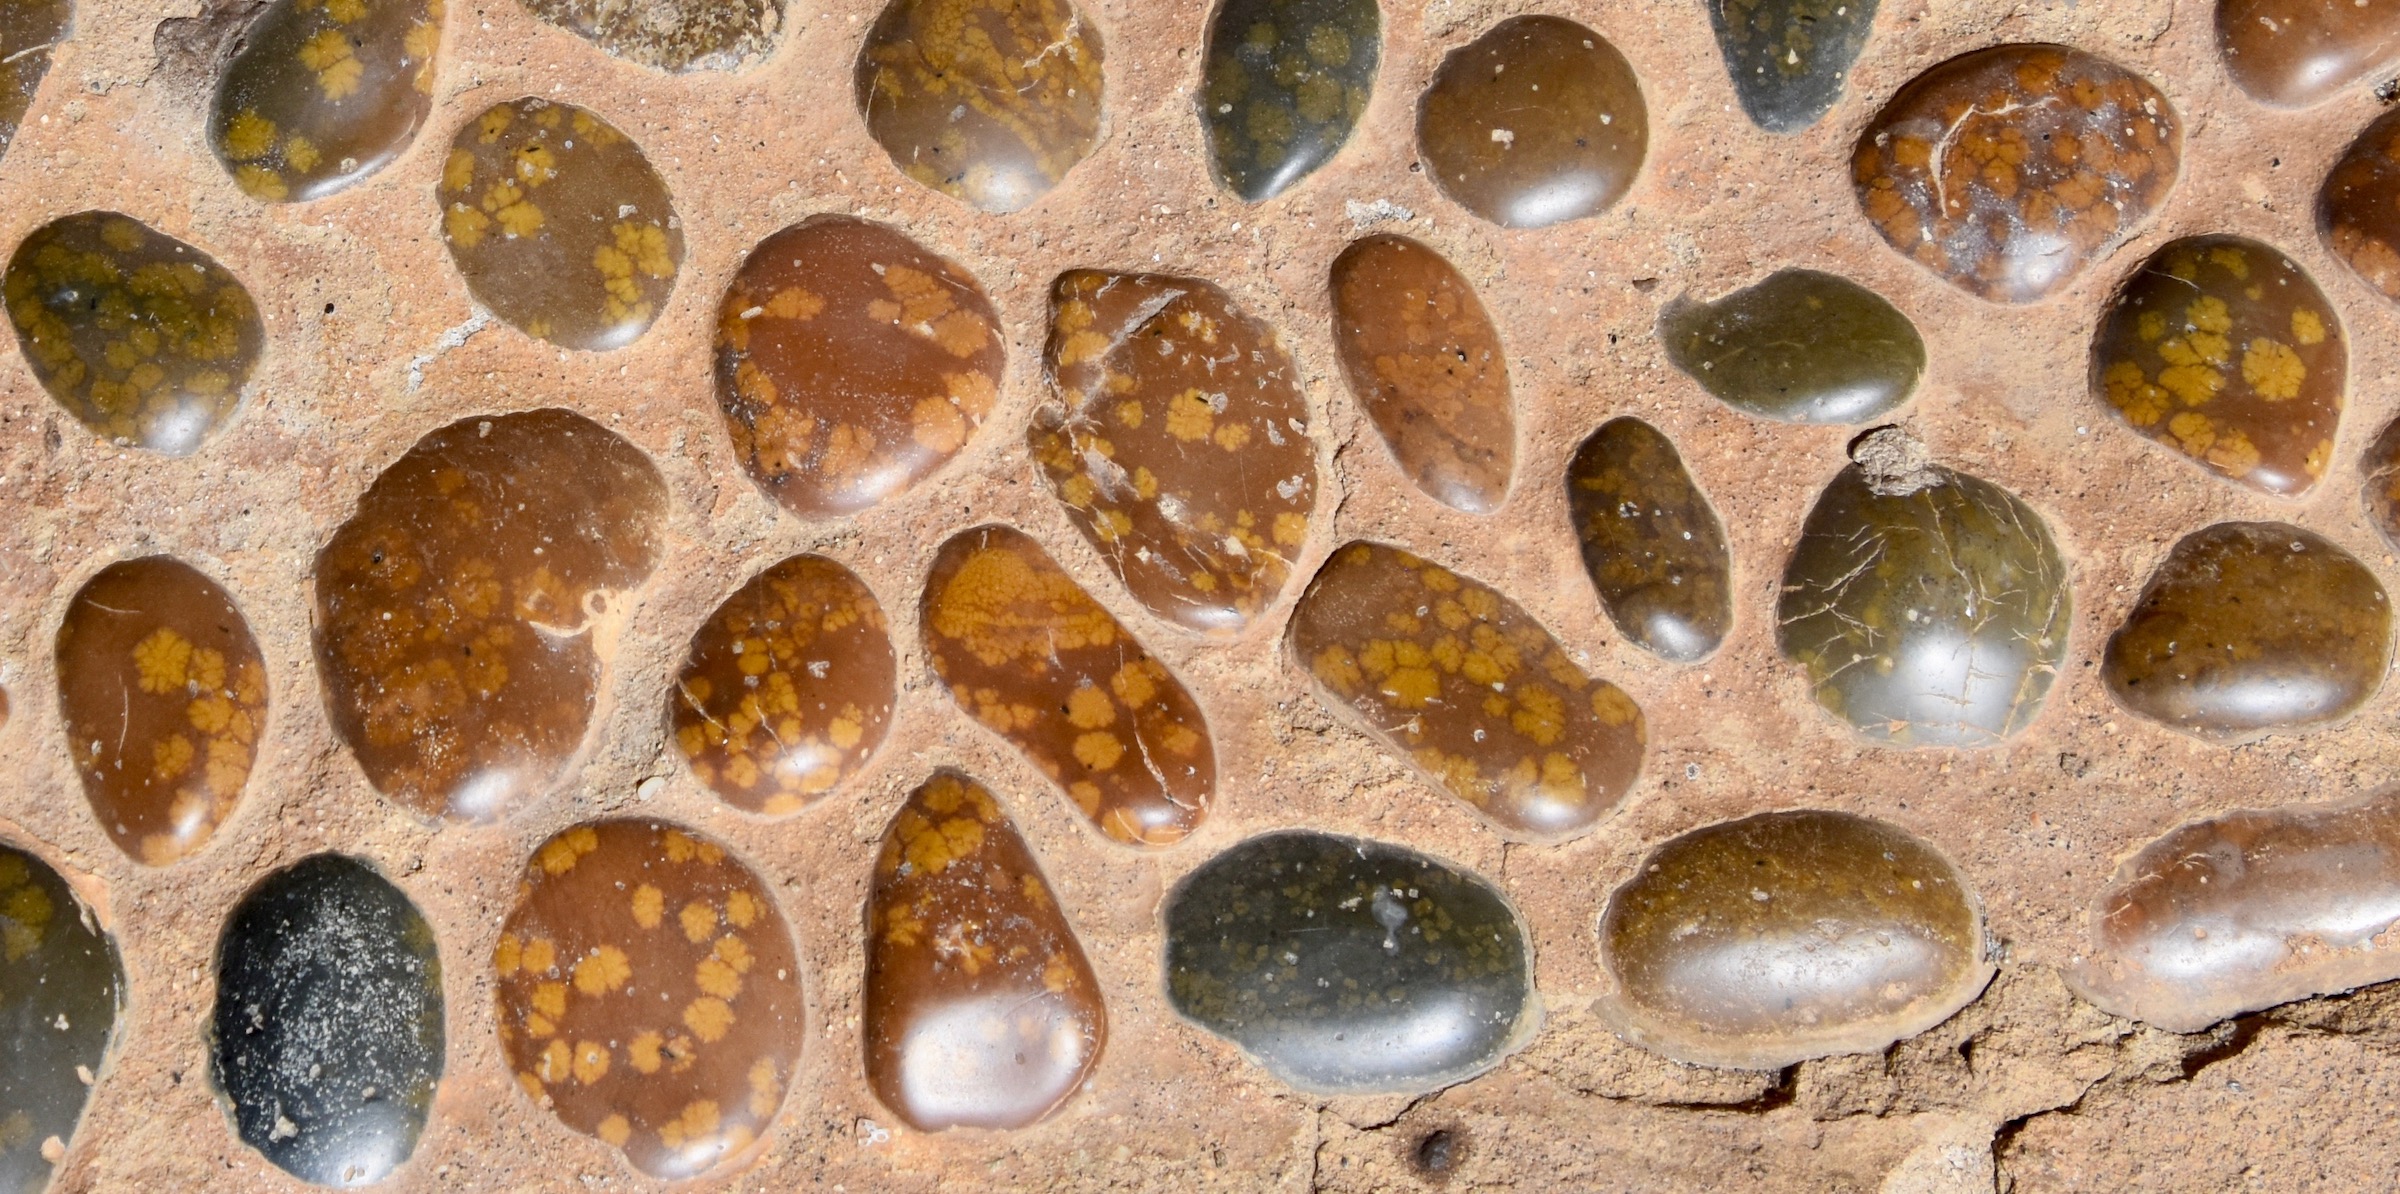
(1652, 546)
(1789, 59)
(328, 1037)
(788, 688)
(988, 101)
(2293, 53)
(1798, 347)
(2359, 209)
(673, 35)
(1030, 655)
(1936, 617)
(28, 30)
(1349, 966)
(2247, 910)
(851, 363)
(456, 610)
(1182, 449)
(2382, 491)
(2010, 170)
(1426, 363)
(649, 994)
(559, 224)
(1283, 84)
(2224, 350)
(2252, 628)
(142, 337)
(1537, 122)
(1470, 689)
(325, 93)
(163, 697)
(1761, 942)
(61, 988)
(980, 1010)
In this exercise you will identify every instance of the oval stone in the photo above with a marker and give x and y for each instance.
(324, 93)
(1537, 122)
(1428, 366)
(2008, 171)
(29, 29)
(671, 35)
(1283, 84)
(2359, 209)
(559, 224)
(144, 338)
(987, 101)
(2293, 53)
(1653, 548)
(1789, 59)
(1784, 936)
(1030, 655)
(1470, 689)
(2224, 350)
(328, 1037)
(456, 610)
(2382, 490)
(2249, 629)
(980, 1010)
(1347, 966)
(788, 689)
(163, 696)
(1182, 448)
(61, 988)
(852, 363)
(1798, 347)
(649, 994)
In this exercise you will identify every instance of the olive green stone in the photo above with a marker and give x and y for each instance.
(28, 31)
(1653, 548)
(324, 94)
(61, 988)
(1285, 82)
(1799, 347)
(1790, 58)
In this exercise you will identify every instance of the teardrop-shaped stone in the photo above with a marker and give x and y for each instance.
(1789, 59)
(2249, 629)
(2223, 349)
(1537, 122)
(144, 338)
(671, 35)
(2359, 210)
(980, 1010)
(163, 696)
(1182, 450)
(324, 93)
(2293, 53)
(457, 608)
(61, 988)
(559, 224)
(1799, 347)
(649, 994)
(29, 31)
(1784, 936)
(1347, 966)
(851, 363)
(2008, 171)
(788, 688)
(1030, 655)
(328, 1037)
(987, 101)
(1469, 688)
(1652, 546)
(1283, 84)
(2247, 910)
(1427, 364)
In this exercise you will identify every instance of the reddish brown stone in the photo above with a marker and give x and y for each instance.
(1428, 366)
(2359, 209)
(2293, 53)
(989, 101)
(1537, 122)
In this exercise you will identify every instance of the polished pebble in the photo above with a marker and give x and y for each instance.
(1425, 361)
(671, 35)
(1537, 122)
(2358, 211)
(1798, 347)
(1283, 84)
(1652, 546)
(324, 93)
(61, 987)
(29, 32)
(1790, 59)
(2382, 490)
(986, 101)
(2293, 53)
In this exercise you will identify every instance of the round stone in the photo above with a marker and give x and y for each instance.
(1537, 122)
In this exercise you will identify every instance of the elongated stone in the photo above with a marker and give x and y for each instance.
(649, 995)
(986, 101)
(1182, 449)
(1030, 655)
(671, 35)
(2010, 170)
(163, 696)
(1470, 689)
(788, 688)
(1652, 546)
(852, 363)
(1790, 59)
(2358, 210)
(2382, 490)
(1349, 967)
(1428, 366)
(142, 337)
(29, 31)
(328, 1037)
(1784, 936)
(980, 1010)
(457, 610)
(1283, 84)
(559, 224)
(1798, 347)
(1537, 122)
(61, 988)
(2293, 53)
(324, 93)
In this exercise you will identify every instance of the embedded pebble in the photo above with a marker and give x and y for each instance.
(1283, 84)
(1425, 361)
(987, 101)
(1653, 548)
(1799, 347)
(671, 35)
(1790, 59)
(1537, 122)
(2294, 53)
(324, 93)
(61, 988)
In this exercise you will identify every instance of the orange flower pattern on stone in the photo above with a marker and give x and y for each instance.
(988, 101)
(325, 93)
(1428, 366)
